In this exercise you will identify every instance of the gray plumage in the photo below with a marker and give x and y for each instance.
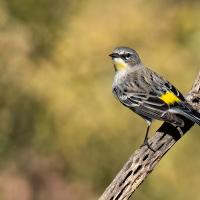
(137, 90)
(142, 90)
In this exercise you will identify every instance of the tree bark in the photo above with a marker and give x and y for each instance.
(143, 160)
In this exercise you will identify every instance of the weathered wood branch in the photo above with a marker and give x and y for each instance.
(143, 160)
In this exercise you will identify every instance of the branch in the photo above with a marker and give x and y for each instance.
(143, 160)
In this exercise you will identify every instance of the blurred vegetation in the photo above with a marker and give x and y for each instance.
(62, 134)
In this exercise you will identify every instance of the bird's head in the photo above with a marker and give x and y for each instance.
(124, 57)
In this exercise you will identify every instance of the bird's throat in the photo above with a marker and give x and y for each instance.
(119, 64)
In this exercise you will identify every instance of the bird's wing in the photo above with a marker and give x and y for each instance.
(135, 100)
(149, 106)
(163, 88)
(149, 95)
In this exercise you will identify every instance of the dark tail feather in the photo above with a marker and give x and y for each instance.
(191, 114)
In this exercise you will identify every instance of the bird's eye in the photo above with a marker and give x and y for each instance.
(128, 55)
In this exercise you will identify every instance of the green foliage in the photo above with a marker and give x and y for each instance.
(44, 19)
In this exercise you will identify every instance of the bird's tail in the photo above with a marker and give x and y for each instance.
(188, 112)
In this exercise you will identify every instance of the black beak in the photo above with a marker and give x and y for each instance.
(114, 55)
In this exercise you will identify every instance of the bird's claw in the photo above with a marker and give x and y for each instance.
(147, 144)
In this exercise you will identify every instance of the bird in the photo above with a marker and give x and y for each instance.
(146, 93)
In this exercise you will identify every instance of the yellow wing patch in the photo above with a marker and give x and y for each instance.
(170, 98)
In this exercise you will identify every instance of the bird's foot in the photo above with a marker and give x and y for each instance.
(148, 145)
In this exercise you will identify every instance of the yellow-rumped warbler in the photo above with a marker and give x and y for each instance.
(146, 93)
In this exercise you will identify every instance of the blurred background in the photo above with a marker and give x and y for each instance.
(62, 133)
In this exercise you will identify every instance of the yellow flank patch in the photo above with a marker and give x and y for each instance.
(170, 98)
(119, 64)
